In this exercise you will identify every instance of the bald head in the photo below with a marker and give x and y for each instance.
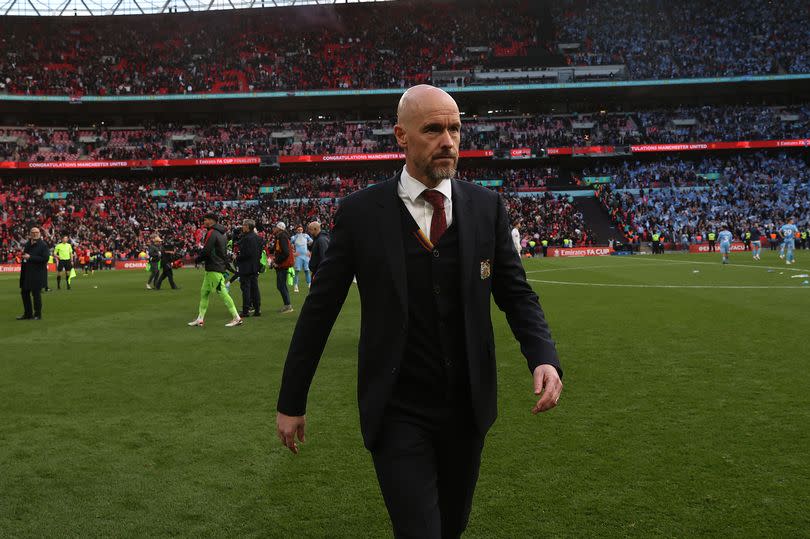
(429, 131)
(314, 228)
(420, 99)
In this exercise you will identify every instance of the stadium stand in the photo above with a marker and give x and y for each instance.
(684, 124)
(691, 198)
(118, 213)
(479, 42)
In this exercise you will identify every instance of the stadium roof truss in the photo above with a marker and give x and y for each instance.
(97, 8)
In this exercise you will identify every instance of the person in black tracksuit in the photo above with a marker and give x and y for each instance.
(247, 264)
(167, 256)
(153, 251)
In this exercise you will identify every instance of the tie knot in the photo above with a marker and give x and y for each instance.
(434, 198)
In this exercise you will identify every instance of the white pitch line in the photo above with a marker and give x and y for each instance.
(575, 268)
(618, 285)
(781, 268)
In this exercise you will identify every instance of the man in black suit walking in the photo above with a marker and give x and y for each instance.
(33, 271)
(247, 263)
(428, 253)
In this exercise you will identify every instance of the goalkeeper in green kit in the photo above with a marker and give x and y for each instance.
(214, 255)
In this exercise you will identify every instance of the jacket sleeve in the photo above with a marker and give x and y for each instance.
(315, 257)
(517, 299)
(318, 315)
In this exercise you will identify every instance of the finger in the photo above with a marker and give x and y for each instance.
(539, 381)
(301, 433)
(289, 442)
(549, 398)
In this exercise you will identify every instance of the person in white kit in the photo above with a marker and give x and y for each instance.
(516, 237)
(302, 242)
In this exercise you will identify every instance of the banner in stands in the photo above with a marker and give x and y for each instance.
(524, 153)
(120, 265)
(15, 268)
(390, 156)
(138, 163)
(591, 180)
(131, 264)
(580, 251)
(704, 247)
(397, 156)
(737, 145)
(559, 151)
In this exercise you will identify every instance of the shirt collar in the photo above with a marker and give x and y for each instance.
(414, 188)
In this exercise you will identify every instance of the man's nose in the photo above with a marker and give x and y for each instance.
(447, 140)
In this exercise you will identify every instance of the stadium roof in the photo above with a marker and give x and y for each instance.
(93, 8)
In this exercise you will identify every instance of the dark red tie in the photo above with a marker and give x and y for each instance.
(439, 222)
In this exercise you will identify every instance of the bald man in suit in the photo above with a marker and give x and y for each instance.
(428, 253)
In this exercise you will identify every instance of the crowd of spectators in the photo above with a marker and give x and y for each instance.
(549, 217)
(119, 213)
(693, 38)
(762, 189)
(363, 46)
(696, 124)
(354, 46)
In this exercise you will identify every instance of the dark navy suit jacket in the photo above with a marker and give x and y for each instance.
(366, 243)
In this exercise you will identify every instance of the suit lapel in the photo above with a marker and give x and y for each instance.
(389, 224)
(464, 220)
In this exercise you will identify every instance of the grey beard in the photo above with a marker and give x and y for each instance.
(441, 173)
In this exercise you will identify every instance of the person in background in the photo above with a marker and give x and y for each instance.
(283, 261)
(756, 244)
(516, 237)
(247, 266)
(214, 256)
(33, 269)
(302, 243)
(63, 252)
(153, 252)
(724, 238)
(320, 243)
(167, 257)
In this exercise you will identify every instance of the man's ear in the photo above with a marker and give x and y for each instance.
(401, 135)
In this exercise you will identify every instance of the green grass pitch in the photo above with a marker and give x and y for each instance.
(686, 412)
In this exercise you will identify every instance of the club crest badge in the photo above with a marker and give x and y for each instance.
(486, 269)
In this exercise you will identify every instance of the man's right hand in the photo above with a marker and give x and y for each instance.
(288, 426)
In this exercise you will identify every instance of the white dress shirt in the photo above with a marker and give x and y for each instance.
(410, 191)
(516, 239)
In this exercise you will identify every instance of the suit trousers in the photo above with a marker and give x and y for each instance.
(427, 472)
(28, 310)
(251, 298)
(168, 273)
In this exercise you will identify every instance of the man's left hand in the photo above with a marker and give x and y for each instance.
(546, 382)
